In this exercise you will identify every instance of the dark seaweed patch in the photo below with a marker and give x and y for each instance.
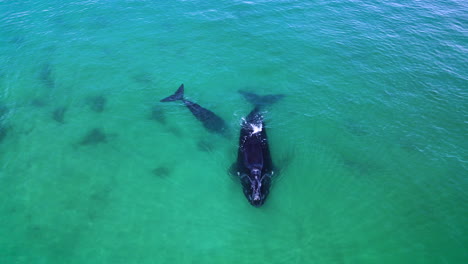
(357, 129)
(97, 103)
(143, 78)
(93, 137)
(361, 166)
(175, 131)
(162, 172)
(59, 114)
(38, 102)
(45, 75)
(3, 127)
(3, 132)
(158, 114)
(3, 110)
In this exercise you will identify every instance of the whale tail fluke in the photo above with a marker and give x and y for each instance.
(178, 95)
(261, 100)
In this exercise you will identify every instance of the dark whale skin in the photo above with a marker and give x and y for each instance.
(212, 122)
(254, 165)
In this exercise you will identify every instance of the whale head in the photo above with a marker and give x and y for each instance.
(256, 187)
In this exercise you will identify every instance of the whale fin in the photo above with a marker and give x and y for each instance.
(178, 95)
(232, 171)
(261, 100)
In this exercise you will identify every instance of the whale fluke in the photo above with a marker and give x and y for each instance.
(261, 100)
(178, 95)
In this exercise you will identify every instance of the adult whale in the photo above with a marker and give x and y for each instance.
(210, 120)
(254, 165)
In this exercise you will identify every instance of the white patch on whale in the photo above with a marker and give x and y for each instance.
(255, 128)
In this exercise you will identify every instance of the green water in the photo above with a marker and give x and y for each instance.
(370, 139)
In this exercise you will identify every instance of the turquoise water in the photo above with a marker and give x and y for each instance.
(370, 139)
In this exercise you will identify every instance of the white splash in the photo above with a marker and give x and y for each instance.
(255, 128)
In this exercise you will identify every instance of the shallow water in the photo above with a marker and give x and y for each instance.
(370, 138)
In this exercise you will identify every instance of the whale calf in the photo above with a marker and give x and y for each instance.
(254, 165)
(210, 120)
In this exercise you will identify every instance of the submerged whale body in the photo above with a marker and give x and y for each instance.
(261, 100)
(210, 120)
(254, 165)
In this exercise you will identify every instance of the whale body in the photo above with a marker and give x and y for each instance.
(254, 165)
(212, 122)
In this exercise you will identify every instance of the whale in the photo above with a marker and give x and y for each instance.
(212, 122)
(254, 165)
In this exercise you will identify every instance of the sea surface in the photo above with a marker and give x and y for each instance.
(370, 141)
